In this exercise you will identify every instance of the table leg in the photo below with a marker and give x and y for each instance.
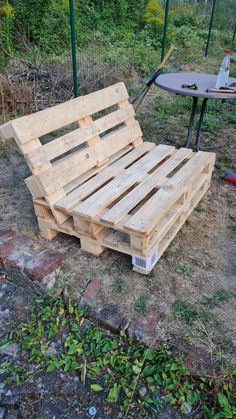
(191, 121)
(203, 109)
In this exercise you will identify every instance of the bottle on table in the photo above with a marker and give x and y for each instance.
(223, 74)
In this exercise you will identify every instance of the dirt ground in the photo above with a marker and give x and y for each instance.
(193, 286)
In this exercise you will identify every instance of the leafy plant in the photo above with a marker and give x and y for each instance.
(119, 365)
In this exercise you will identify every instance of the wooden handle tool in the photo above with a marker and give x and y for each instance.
(221, 90)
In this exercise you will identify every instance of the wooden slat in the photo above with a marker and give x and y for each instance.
(116, 213)
(110, 171)
(94, 204)
(74, 165)
(95, 170)
(56, 117)
(152, 211)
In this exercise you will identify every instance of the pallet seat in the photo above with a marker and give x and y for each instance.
(93, 176)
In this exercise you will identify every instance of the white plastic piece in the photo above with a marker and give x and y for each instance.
(144, 263)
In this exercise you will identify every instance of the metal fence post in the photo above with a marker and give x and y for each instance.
(233, 39)
(165, 29)
(73, 47)
(210, 27)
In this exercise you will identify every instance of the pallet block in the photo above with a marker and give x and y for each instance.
(101, 183)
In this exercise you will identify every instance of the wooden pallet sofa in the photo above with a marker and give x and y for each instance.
(100, 182)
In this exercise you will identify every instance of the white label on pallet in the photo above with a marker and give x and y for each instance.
(144, 263)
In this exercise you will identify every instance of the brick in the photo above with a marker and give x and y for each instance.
(91, 292)
(110, 318)
(18, 252)
(46, 262)
(6, 234)
(10, 245)
(144, 327)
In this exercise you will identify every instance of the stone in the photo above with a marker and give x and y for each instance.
(2, 413)
(144, 327)
(142, 391)
(11, 350)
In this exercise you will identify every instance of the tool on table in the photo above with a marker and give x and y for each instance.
(146, 88)
(192, 86)
(230, 177)
(222, 90)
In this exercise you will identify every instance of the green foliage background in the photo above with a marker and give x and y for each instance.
(118, 26)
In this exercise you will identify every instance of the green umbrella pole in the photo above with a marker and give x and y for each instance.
(233, 39)
(73, 47)
(165, 29)
(210, 27)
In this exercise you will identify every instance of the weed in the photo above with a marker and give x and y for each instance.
(131, 364)
(196, 262)
(184, 270)
(151, 279)
(203, 263)
(218, 298)
(223, 162)
(190, 312)
(209, 264)
(166, 254)
(184, 311)
(141, 305)
(119, 285)
(199, 209)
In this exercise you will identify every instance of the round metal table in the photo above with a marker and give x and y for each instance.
(172, 82)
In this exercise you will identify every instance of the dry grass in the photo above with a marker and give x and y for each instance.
(15, 98)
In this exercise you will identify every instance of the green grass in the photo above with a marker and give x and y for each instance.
(119, 285)
(184, 270)
(141, 305)
(92, 353)
(223, 162)
(188, 312)
(221, 296)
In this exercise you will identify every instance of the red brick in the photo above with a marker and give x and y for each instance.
(6, 234)
(109, 318)
(17, 251)
(91, 292)
(144, 327)
(10, 245)
(46, 262)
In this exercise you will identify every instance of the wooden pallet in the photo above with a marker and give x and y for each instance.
(176, 197)
(101, 183)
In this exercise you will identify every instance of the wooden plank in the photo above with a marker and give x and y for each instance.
(152, 211)
(107, 194)
(34, 187)
(64, 172)
(95, 170)
(116, 213)
(56, 117)
(110, 171)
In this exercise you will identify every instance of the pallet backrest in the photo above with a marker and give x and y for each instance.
(64, 159)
